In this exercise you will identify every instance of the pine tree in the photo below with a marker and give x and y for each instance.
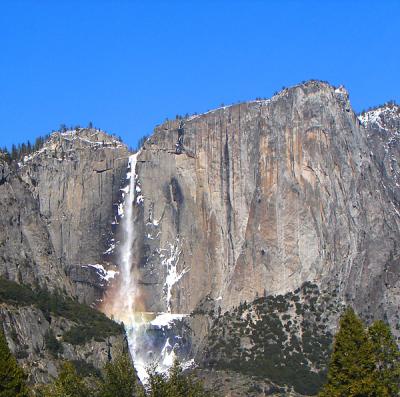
(385, 378)
(364, 363)
(351, 361)
(68, 384)
(14, 152)
(176, 384)
(120, 378)
(12, 378)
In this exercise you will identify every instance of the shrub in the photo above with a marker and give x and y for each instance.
(52, 343)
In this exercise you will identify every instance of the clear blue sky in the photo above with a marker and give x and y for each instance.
(128, 65)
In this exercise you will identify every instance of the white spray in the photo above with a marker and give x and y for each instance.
(128, 287)
(124, 303)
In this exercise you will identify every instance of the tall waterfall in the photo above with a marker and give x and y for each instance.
(123, 301)
(121, 304)
(128, 287)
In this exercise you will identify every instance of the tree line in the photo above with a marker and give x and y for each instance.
(365, 362)
(391, 103)
(19, 151)
(118, 379)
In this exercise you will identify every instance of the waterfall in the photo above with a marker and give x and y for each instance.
(122, 302)
(128, 287)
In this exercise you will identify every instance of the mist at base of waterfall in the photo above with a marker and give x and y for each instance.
(156, 340)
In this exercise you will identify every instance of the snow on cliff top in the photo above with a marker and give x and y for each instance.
(380, 116)
(341, 91)
(71, 139)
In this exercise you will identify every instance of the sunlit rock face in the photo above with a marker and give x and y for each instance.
(75, 181)
(257, 198)
(56, 229)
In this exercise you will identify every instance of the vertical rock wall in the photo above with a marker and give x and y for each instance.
(257, 198)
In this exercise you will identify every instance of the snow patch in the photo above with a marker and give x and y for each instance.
(110, 249)
(173, 276)
(102, 272)
(165, 319)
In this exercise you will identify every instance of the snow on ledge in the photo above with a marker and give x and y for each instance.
(165, 319)
(102, 272)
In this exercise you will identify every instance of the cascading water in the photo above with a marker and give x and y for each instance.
(122, 306)
(128, 288)
(122, 303)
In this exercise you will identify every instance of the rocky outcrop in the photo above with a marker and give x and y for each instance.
(383, 131)
(59, 206)
(27, 331)
(76, 179)
(26, 252)
(44, 328)
(232, 384)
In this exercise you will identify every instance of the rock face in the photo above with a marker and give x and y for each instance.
(257, 198)
(27, 329)
(383, 131)
(76, 180)
(26, 252)
(57, 209)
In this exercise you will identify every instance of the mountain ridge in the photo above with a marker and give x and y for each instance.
(245, 203)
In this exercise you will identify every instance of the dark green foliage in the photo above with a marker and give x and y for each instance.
(5, 155)
(386, 375)
(19, 151)
(90, 322)
(364, 362)
(85, 369)
(11, 292)
(120, 378)
(176, 384)
(68, 384)
(351, 360)
(12, 378)
(281, 338)
(386, 356)
(52, 343)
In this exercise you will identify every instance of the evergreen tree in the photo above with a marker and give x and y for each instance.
(68, 384)
(176, 384)
(351, 361)
(385, 378)
(12, 378)
(120, 378)
(364, 363)
(14, 152)
(156, 383)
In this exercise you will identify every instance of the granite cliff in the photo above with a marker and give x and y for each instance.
(257, 198)
(58, 207)
(258, 222)
(254, 201)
